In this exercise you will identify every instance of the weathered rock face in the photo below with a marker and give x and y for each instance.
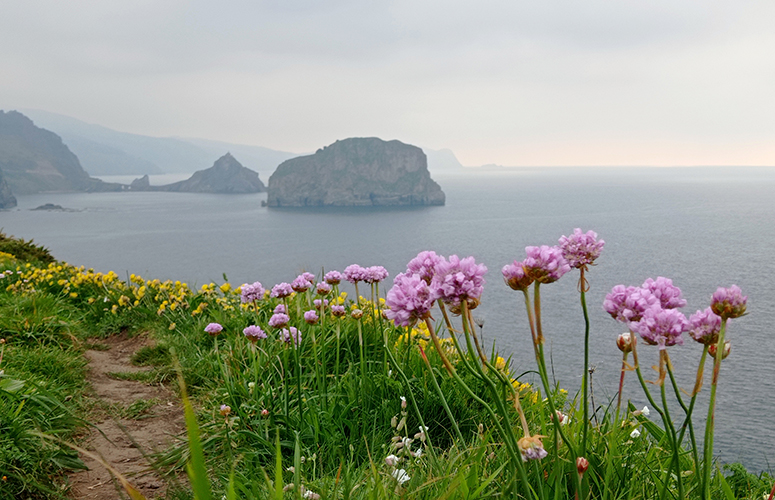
(356, 172)
(7, 199)
(35, 160)
(226, 176)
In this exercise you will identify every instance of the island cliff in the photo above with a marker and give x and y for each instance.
(356, 172)
(226, 176)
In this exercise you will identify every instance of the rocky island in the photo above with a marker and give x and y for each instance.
(356, 172)
(226, 176)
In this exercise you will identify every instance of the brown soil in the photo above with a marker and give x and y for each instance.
(122, 442)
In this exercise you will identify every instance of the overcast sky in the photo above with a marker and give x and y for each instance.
(618, 82)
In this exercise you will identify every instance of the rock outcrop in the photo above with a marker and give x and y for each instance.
(7, 199)
(226, 176)
(356, 172)
(35, 160)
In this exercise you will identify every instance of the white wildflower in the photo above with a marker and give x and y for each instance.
(635, 434)
(645, 411)
(401, 476)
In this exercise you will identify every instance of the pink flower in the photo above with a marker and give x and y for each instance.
(279, 320)
(213, 329)
(253, 333)
(457, 280)
(333, 277)
(663, 289)
(410, 300)
(291, 335)
(280, 308)
(282, 290)
(581, 249)
(301, 284)
(662, 327)
(545, 264)
(376, 274)
(311, 317)
(705, 326)
(424, 265)
(531, 448)
(323, 288)
(628, 304)
(355, 273)
(729, 302)
(337, 311)
(251, 293)
(515, 277)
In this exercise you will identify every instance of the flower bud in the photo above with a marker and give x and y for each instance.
(356, 314)
(729, 302)
(392, 460)
(582, 464)
(264, 412)
(225, 410)
(403, 403)
(713, 350)
(624, 342)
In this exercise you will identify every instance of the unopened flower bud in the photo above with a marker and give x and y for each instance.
(713, 350)
(582, 464)
(264, 412)
(403, 403)
(624, 342)
(289, 487)
(225, 410)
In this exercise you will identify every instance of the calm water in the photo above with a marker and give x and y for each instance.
(702, 227)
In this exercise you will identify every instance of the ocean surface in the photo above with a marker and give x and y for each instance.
(702, 227)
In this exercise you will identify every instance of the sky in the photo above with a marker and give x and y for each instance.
(509, 82)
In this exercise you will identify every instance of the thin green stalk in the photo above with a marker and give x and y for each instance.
(709, 424)
(671, 430)
(688, 419)
(687, 412)
(585, 375)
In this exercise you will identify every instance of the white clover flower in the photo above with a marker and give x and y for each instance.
(635, 434)
(401, 476)
(645, 411)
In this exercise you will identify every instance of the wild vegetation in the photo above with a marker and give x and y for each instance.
(305, 391)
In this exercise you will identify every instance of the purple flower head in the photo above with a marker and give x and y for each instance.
(376, 274)
(409, 300)
(627, 304)
(729, 302)
(251, 293)
(308, 276)
(280, 308)
(281, 290)
(213, 329)
(279, 320)
(333, 277)
(311, 317)
(300, 284)
(581, 249)
(515, 277)
(424, 265)
(668, 294)
(254, 333)
(545, 264)
(705, 326)
(457, 280)
(662, 327)
(291, 335)
(355, 273)
(531, 448)
(338, 311)
(323, 288)
(320, 304)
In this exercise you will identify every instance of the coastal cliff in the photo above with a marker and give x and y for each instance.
(35, 160)
(356, 172)
(7, 199)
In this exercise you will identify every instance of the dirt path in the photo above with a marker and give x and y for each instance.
(132, 416)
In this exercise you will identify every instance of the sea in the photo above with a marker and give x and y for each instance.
(703, 227)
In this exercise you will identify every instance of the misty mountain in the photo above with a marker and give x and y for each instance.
(104, 151)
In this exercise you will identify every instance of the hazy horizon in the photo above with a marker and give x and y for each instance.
(516, 84)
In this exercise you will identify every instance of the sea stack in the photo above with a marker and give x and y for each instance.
(356, 172)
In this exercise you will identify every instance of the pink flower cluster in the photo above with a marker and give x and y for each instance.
(581, 249)
(251, 293)
(430, 277)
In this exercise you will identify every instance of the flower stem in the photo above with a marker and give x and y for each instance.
(621, 386)
(709, 423)
(585, 375)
